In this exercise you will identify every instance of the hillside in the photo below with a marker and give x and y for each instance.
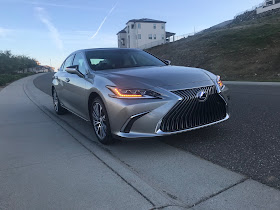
(246, 49)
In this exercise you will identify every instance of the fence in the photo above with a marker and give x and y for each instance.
(176, 38)
(250, 10)
(266, 8)
(151, 44)
(171, 39)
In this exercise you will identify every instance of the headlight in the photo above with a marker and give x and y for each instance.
(219, 82)
(132, 93)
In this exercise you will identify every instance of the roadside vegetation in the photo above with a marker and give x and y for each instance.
(12, 67)
(246, 49)
(9, 78)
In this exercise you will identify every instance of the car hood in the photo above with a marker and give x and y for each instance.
(161, 76)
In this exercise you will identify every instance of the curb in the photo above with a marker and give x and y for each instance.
(252, 83)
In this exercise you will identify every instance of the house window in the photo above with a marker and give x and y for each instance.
(132, 26)
(155, 26)
(139, 25)
(162, 36)
(139, 36)
(150, 36)
(162, 26)
(155, 36)
(122, 42)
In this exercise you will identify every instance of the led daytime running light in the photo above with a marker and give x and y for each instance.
(125, 95)
(219, 81)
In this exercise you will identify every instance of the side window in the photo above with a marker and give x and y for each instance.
(80, 61)
(61, 67)
(68, 62)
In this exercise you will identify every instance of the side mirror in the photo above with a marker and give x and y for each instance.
(167, 62)
(74, 70)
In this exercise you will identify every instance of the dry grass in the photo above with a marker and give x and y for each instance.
(244, 51)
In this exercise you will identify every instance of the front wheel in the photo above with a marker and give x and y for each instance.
(56, 104)
(100, 122)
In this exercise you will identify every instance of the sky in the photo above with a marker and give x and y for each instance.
(49, 30)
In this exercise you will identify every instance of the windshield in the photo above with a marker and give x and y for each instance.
(116, 59)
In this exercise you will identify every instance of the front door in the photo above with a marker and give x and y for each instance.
(75, 88)
(63, 81)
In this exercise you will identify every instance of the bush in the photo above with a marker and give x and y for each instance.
(8, 78)
(10, 63)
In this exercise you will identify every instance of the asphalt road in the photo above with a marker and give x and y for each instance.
(248, 143)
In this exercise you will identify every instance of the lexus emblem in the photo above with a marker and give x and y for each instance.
(202, 96)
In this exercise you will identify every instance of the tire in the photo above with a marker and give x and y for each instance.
(100, 121)
(56, 104)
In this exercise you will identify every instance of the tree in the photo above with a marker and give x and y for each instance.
(10, 63)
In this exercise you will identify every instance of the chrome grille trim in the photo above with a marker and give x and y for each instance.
(189, 112)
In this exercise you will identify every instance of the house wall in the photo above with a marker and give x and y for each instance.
(148, 28)
(275, 5)
(145, 30)
(131, 33)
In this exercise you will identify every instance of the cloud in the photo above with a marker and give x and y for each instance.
(70, 6)
(4, 32)
(104, 20)
(52, 29)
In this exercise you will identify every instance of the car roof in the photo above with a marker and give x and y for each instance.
(109, 49)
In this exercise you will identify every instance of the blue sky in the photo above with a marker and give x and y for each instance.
(49, 30)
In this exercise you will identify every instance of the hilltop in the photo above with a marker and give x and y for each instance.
(247, 48)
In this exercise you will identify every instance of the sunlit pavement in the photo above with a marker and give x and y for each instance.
(48, 161)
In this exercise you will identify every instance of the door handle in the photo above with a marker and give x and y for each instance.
(67, 80)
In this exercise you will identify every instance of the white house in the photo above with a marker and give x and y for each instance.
(143, 33)
(268, 5)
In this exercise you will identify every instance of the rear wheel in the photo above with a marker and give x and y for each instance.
(100, 121)
(56, 104)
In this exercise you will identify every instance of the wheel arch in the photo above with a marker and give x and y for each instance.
(91, 97)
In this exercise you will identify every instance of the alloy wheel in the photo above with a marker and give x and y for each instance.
(99, 120)
(55, 101)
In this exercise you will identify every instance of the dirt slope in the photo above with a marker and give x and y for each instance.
(247, 49)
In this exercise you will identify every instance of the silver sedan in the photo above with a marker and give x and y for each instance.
(128, 93)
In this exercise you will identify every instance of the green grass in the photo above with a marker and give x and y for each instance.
(8, 78)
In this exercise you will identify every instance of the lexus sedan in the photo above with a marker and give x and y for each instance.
(129, 93)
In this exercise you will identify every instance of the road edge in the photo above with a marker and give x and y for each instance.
(251, 83)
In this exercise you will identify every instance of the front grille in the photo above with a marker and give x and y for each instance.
(190, 112)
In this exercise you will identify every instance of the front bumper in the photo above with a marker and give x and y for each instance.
(141, 118)
(134, 135)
